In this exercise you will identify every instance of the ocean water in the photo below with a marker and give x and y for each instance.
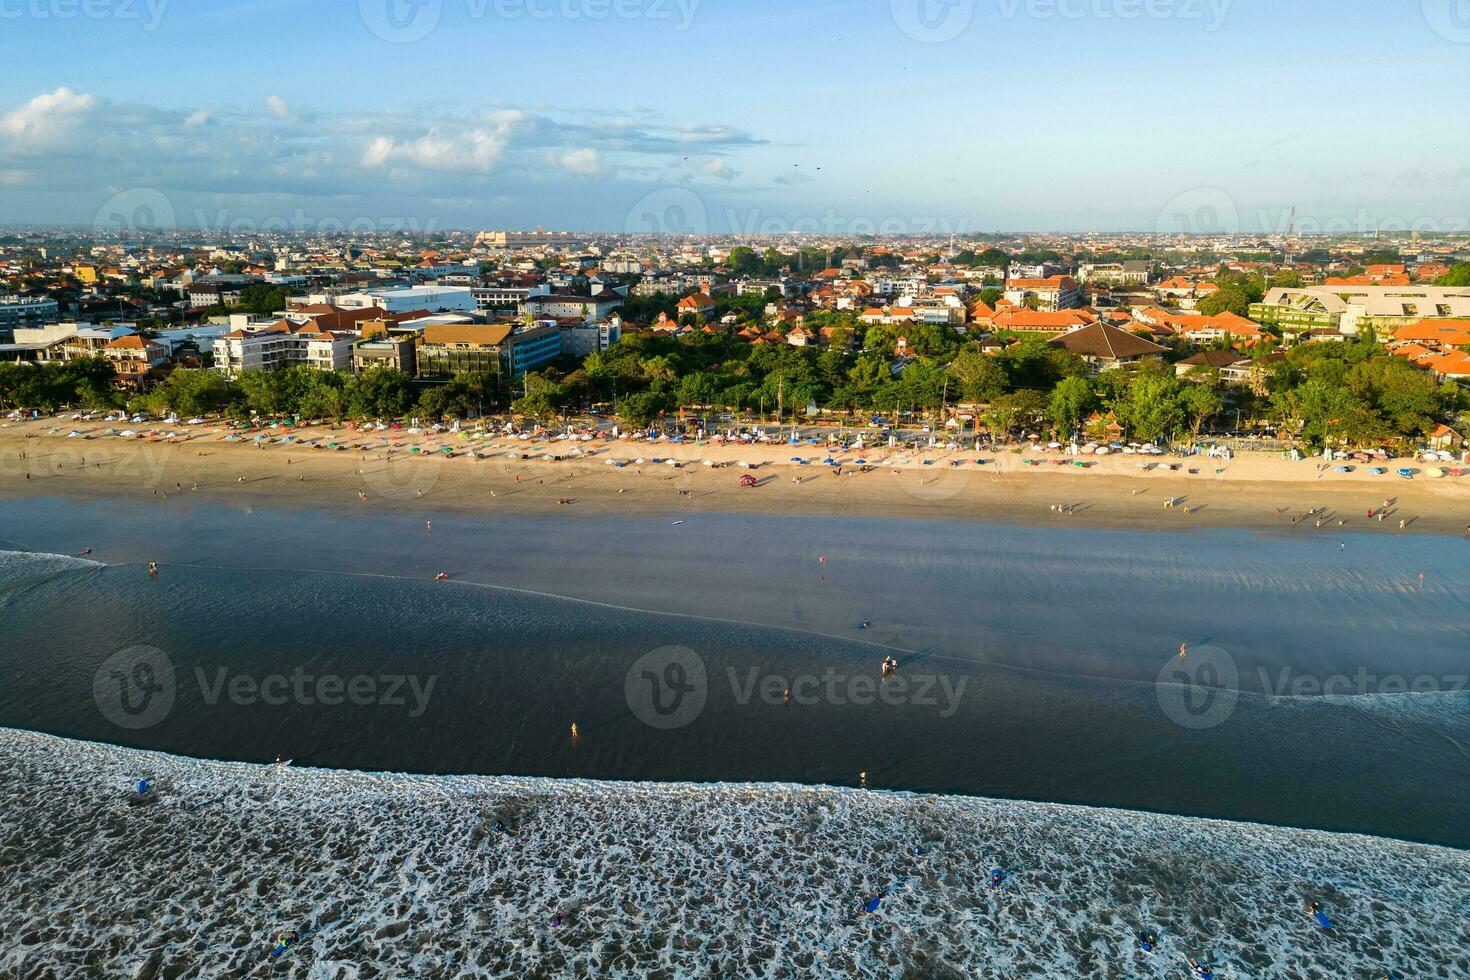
(394, 876)
(1035, 663)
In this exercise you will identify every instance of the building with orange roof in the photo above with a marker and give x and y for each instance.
(1448, 333)
(1050, 294)
(134, 357)
(1041, 321)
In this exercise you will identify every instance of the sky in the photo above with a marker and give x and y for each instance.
(746, 116)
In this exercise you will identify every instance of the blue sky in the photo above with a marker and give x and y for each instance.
(746, 115)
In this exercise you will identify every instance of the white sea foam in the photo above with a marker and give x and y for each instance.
(406, 876)
(41, 561)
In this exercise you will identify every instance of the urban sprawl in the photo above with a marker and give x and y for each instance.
(1316, 341)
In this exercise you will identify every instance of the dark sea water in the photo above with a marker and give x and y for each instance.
(1035, 663)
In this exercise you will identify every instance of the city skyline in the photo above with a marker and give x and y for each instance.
(1004, 116)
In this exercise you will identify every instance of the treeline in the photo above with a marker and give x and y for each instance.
(85, 383)
(303, 392)
(1350, 393)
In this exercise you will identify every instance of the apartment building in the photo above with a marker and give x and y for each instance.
(26, 311)
(447, 349)
(1354, 307)
(283, 344)
(1051, 294)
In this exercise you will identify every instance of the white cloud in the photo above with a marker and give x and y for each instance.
(219, 163)
(717, 167)
(472, 151)
(585, 162)
(46, 121)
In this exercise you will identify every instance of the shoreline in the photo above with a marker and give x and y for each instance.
(508, 876)
(655, 787)
(1251, 492)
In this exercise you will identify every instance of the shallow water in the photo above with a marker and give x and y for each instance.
(1036, 663)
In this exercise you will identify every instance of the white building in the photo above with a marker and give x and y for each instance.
(283, 344)
(435, 299)
(563, 305)
(591, 337)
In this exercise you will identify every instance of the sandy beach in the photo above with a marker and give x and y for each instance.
(331, 466)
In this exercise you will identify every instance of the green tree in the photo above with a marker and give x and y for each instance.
(1071, 401)
(1154, 406)
(979, 376)
(380, 393)
(1459, 275)
(1226, 299)
(1201, 403)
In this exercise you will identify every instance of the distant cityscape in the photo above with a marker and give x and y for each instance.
(898, 319)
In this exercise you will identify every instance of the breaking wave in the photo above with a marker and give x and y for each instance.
(395, 875)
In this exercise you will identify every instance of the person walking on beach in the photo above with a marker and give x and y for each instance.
(1183, 649)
